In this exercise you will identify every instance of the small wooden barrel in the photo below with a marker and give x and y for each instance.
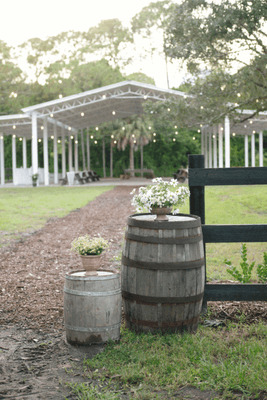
(92, 307)
(163, 273)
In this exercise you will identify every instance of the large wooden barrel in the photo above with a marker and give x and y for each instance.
(163, 273)
(92, 307)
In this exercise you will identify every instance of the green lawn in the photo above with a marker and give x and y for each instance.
(28, 209)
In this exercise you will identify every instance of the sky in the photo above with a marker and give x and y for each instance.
(25, 19)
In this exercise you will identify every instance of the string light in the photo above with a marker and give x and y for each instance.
(115, 141)
(254, 132)
(194, 138)
(76, 141)
(213, 136)
(175, 127)
(113, 112)
(154, 134)
(236, 104)
(112, 136)
(82, 114)
(51, 115)
(72, 137)
(154, 140)
(20, 139)
(104, 96)
(169, 109)
(221, 128)
(251, 122)
(14, 126)
(91, 137)
(233, 133)
(95, 142)
(145, 97)
(13, 136)
(200, 125)
(176, 133)
(60, 96)
(201, 107)
(59, 141)
(2, 137)
(257, 100)
(174, 139)
(149, 128)
(133, 135)
(238, 94)
(134, 141)
(123, 128)
(52, 137)
(199, 130)
(42, 127)
(96, 128)
(39, 140)
(69, 128)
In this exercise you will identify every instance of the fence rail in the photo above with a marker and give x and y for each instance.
(199, 177)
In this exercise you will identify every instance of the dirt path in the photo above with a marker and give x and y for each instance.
(33, 352)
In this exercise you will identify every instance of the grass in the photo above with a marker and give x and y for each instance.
(28, 209)
(229, 359)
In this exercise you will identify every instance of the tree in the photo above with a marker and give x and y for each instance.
(134, 130)
(148, 22)
(225, 40)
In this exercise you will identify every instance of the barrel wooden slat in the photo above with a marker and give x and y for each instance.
(163, 274)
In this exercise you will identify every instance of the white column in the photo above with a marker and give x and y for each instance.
(24, 152)
(210, 147)
(220, 127)
(88, 152)
(45, 145)
(202, 141)
(34, 144)
(70, 155)
(14, 158)
(214, 146)
(261, 149)
(2, 159)
(76, 153)
(253, 150)
(227, 141)
(63, 145)
(206, 146)
(246, 150)
(55, 156)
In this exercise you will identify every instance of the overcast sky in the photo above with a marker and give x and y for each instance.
(25, 19)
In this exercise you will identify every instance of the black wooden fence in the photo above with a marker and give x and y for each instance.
(199, 177)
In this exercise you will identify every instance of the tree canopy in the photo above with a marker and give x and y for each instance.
(224, 46)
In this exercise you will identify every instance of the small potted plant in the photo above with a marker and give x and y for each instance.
(161, 198)
(90, 250)
(34, 179)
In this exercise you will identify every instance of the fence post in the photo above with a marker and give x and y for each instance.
(197, 202)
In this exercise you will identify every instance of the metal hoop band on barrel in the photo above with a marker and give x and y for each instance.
(160, 300)
(162, 266)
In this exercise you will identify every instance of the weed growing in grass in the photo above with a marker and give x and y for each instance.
(245, 275)
(224, 360)
(262, 269)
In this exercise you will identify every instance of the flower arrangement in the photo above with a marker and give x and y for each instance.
(89, 246)
(162, 194)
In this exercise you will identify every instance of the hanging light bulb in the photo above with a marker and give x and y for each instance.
(154, 140)
(213, 136)
(175, 127)
(51, 115)
(149, 128)
(174, 139)
(113, 112)
(96, 128)
(39, 140)
(201, 107)
(76, 142)
(95, 142)
(42, 127)
(123, 128)
(194, 138)
(134, 141)
(145, 97)
(69, 128)
(52, 137)
(133, 135)
(20, 139)
(251, 122)
(154, 134)
(104, 96)
(254, 132)
(82, 114)
(14, 126)
(112, 136)
(169, 109)
(59, 141)
(200, 125)
(91, 137)
(115, 141)
(176, 133)
(238, 94)
(233, 133)
(72, 137)
(199, 130)
(60, 96)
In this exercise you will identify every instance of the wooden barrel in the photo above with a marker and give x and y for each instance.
(163, 273)
(92, 307)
